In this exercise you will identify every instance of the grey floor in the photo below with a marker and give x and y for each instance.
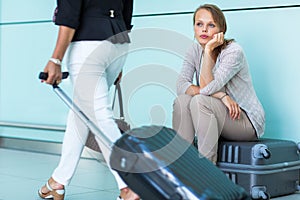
(22, 173)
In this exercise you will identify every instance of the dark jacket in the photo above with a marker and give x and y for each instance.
(96, 19)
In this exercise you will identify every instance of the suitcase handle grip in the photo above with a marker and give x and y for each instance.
(266, 153)
(44, 75)
(261, 151)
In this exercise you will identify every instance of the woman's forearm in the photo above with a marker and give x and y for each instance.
(194, 90)
(206, 75)
(209, 59)
(219, 95)
(65, 35)
(64, 38)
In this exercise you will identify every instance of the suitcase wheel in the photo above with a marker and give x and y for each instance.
(259, 192)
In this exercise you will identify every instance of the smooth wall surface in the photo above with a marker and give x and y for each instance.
(162, 31)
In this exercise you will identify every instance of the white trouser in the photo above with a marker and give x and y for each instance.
(93, 67)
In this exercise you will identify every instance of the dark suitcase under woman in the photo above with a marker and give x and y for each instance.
(265, 168)
(159, 165)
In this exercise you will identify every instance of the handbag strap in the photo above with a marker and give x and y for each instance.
(118, 89)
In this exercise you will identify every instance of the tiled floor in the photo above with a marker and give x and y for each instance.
(22, 173)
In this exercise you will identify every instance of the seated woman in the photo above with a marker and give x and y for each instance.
(223, 102)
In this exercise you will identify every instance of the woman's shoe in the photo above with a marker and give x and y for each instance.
(52, 193)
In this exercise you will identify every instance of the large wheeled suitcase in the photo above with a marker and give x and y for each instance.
(159, 165)
(265, 168)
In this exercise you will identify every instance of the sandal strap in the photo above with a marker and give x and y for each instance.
(48, 186)
(59, 191)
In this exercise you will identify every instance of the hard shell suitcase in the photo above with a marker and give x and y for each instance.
(159, 165)
(265, 168)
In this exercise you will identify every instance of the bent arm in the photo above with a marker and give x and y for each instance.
(209, 59)
(206, 75)
(231, 61)
(185, 79)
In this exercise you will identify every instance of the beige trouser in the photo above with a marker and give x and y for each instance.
(208, 118)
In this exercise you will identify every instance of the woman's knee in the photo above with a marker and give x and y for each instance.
(198, 100)
(181, 103)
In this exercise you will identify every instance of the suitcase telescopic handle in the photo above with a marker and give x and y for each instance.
(66, 99)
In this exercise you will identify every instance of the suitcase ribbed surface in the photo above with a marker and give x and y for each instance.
(246, 164)
(243, 152)
(184, 161)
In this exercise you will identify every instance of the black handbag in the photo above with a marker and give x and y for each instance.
(122, 124)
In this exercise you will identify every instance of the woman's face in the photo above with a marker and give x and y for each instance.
(205, 27)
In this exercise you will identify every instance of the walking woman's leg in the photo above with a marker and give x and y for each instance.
(106, 73)
(76, 131)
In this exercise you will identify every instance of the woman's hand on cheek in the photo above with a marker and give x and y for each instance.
(217, 40)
